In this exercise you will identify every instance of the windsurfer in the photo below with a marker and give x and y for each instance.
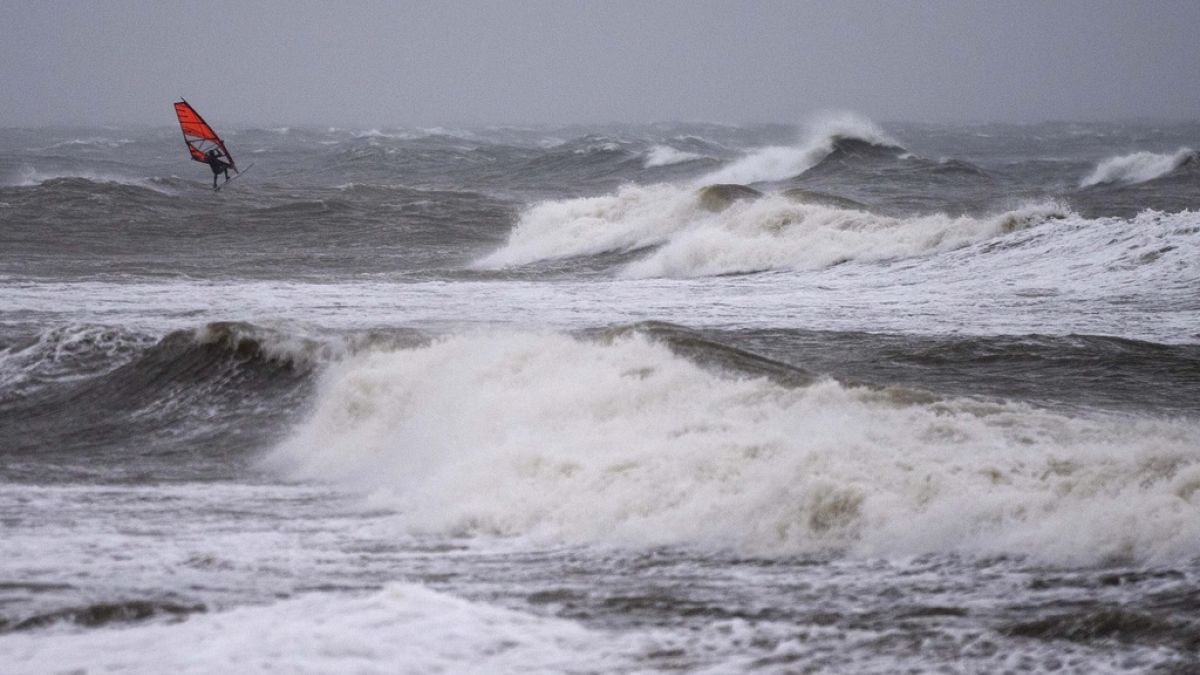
(218, 166)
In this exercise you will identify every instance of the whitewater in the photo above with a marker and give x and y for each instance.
(839, 395)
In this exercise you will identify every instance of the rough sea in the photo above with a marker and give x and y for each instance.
(830, 397)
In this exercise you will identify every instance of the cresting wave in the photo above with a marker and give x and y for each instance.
(774, 232)
(86, 392)
(781, 162)
(1139, 167)
(623, 442)
(64, 354)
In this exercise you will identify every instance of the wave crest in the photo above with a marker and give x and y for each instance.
(777, 234)
(821, 139)
(1139, 167)
(699, 235)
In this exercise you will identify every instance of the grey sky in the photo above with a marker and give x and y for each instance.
(426, 63)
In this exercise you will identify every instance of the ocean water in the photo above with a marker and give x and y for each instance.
(838, 396)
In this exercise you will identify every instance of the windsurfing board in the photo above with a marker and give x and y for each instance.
(235, 177)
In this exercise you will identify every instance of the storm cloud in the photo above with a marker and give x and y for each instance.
(275, 62)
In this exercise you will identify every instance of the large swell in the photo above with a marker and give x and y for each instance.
(102, 403)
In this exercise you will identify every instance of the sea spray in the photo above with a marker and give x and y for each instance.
(623, 442)
(1139, 167)
(781, 162)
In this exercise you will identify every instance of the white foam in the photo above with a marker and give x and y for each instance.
(781, 162)
(771, 233)
(634, 217)
(548, 437)
(404, 628)
(665, 155)
(1110, 276)
(1138, 167)
(776, 233)
(69, 352)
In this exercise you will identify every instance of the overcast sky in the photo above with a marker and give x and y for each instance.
(552, 61)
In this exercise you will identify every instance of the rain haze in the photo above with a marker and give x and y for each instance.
(560, 62)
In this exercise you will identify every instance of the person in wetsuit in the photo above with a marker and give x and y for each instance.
(218, 165)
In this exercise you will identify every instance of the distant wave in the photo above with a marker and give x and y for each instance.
(773, 232)
(406, 134)
(665, 155)
(594, 144)
(606, 146)
(31, 177)
(623, 441)
(451, 133)
(821, 138)
(393, 135)
(1139, 167)
(95, 141)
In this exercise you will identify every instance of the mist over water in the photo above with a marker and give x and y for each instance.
(838, 395)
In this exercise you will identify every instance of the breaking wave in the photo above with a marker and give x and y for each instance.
(776, 233)
(772, 232)
(622, 441)
(821, 138)
(1139, 167)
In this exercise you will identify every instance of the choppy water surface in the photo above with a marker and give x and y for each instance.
(843, 396)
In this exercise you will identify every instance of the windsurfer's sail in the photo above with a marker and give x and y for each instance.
(200, 137)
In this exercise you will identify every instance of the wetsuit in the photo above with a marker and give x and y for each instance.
(218, 166)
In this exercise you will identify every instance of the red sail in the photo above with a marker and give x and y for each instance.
(200, 137)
